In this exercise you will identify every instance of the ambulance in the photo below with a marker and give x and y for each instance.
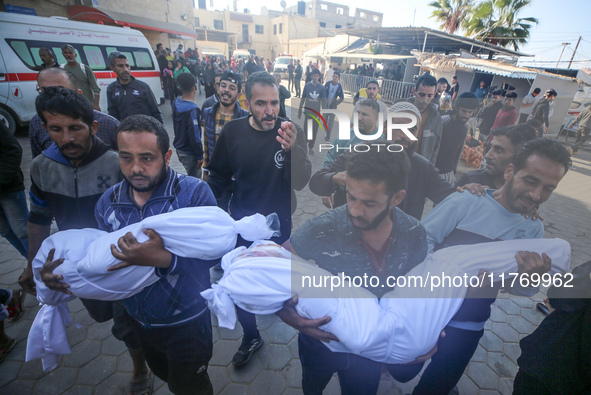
(21, 37)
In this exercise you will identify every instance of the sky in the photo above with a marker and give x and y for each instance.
(560, 21)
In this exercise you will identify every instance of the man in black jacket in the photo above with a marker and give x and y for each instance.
(489, 114)
(129, 96)
(542, 110)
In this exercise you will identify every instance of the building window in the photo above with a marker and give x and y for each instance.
(337, 26)
(324, 7)
(362, 15)
(340, 11)
(218, 24)
(322, 24)
(376, 18)
(274, 29)
(258, 29)
(280, 28)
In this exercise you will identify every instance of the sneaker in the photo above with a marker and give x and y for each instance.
(247, 348)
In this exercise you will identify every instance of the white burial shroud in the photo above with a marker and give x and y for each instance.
(197, 232)
(404, 324)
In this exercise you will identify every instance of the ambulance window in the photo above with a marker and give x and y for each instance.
(142, 59)
(21, 49)
(36, 57)
(94, 57)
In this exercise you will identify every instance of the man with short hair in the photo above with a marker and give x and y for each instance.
(186, 118)
(170, 317)
(442, 86)
(309, 69)
(369, 236)
(66, 182)
(430, 130)
(313, 97)
(372, 92)
(47, 59)
(530, 179)
(84, 74)
(328, 74)
(527, 105)
(222, 112)
(507, 115)
(505, 143)
(127, 95)
(213, 99)
(542, 109)
(38, 136)
(298, 79)
(489, 114)
(334, 97)
(455, 88)
(481, 91)
(455, 130)
(267, 157)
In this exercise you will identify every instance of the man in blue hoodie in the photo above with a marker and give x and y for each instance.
(186, 118)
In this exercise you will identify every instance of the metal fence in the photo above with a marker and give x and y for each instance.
(390, 90)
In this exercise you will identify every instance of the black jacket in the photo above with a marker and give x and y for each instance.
(422, 182)
(11, 154)
(131, 99)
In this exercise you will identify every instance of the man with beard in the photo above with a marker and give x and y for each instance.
(67, 180)
(530, 179)
(127, 96)
(222, 112)
(84, 75)
(489, 114)
(455, 130)
(423, 180)
(504, 145)
(267, 157)
(442, 86)
(169, 317)
(372, 92)
(369, 236)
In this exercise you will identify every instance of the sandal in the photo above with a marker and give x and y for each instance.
(143, 387)
(15, 312)
(4, 351)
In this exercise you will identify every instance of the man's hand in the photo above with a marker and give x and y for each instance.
(474, 189)
(200, 163)
(131, 252)
(328, 201)
(27, 283)
(340, 178)
(290, 316)
(534, 214)
(426, 357)
(531, 262)
(53, 281)
(287, 135)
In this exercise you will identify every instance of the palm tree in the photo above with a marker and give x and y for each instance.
(497, 22)
(450, 13)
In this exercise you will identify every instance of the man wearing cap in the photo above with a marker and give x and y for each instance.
(312, 97)
(222, 112)
(84, 74)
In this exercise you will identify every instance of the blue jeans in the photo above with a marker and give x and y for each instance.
(190, 163)
(13, 220)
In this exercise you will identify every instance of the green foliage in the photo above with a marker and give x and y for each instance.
(450, 13)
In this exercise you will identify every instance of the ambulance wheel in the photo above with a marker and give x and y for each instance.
(8, 120)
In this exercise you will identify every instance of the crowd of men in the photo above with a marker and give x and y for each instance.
(107, 171)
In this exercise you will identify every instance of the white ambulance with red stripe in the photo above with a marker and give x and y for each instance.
(21, 37)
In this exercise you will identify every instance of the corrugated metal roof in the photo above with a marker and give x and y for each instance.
(505, 70)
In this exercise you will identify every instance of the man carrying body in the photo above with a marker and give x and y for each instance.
(378, 239)
(455, 130)
(541, 110)
(313, 97)
(530, 179)
(430, 130)
(334, 97)
(128, 96)
(67, 181)
(423, 180)
(38, 136)
(220, 113)
(84, 74)
(186, 118)
(504, 145)
(169, 317)
(267, 157)
(507, 115)
(527, 105)
(489, 114)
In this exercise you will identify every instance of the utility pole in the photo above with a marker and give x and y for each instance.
(572, 57)
(563, 46)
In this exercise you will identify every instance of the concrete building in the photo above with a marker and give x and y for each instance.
(336, 16)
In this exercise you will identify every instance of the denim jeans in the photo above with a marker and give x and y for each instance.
(13, 220)
(190, 163)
